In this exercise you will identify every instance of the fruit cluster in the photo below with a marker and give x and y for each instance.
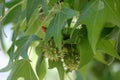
(68, 54)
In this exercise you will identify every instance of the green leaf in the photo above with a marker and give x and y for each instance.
(40, 66)
(58, 64)
(57, 23)
(113, 34)
(75, 38)
(106, 32)
(22, 69)
(32, 5)
(45, 6)
(12, 3)
(1, 1)
(86, 52)
(52, 3)
(13, 14)
(70, 2)
(99, 57)
(118, 43)
(105, 46)
(79, 4)
(94, 17)
(113, 7)
(23, 44)
(83, 72)
(34, 23)
(11, 51)
(2, 11)
(83, 3)
(78, 76)
(2, 7)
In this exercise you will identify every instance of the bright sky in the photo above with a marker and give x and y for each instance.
(4, 57)
(3, 63)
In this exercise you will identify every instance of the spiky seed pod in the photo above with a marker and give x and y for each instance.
(72, 61)
(72, 57)
(68, 53)
(50, 51)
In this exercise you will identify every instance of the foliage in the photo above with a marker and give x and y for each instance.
(69, 33)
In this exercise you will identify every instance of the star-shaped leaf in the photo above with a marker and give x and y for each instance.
(94, 17)
(22, 69)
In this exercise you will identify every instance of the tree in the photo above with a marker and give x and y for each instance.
(74, 35)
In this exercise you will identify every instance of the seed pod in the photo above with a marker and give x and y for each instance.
(71, 62)
(72, 57)
(50, 51)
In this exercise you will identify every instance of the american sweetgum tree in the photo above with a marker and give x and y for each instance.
(80, 36)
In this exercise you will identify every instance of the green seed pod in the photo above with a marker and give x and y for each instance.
(71, 61)
(72, 57)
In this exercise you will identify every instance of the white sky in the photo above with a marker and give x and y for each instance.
(3, 63)
(4, 57)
